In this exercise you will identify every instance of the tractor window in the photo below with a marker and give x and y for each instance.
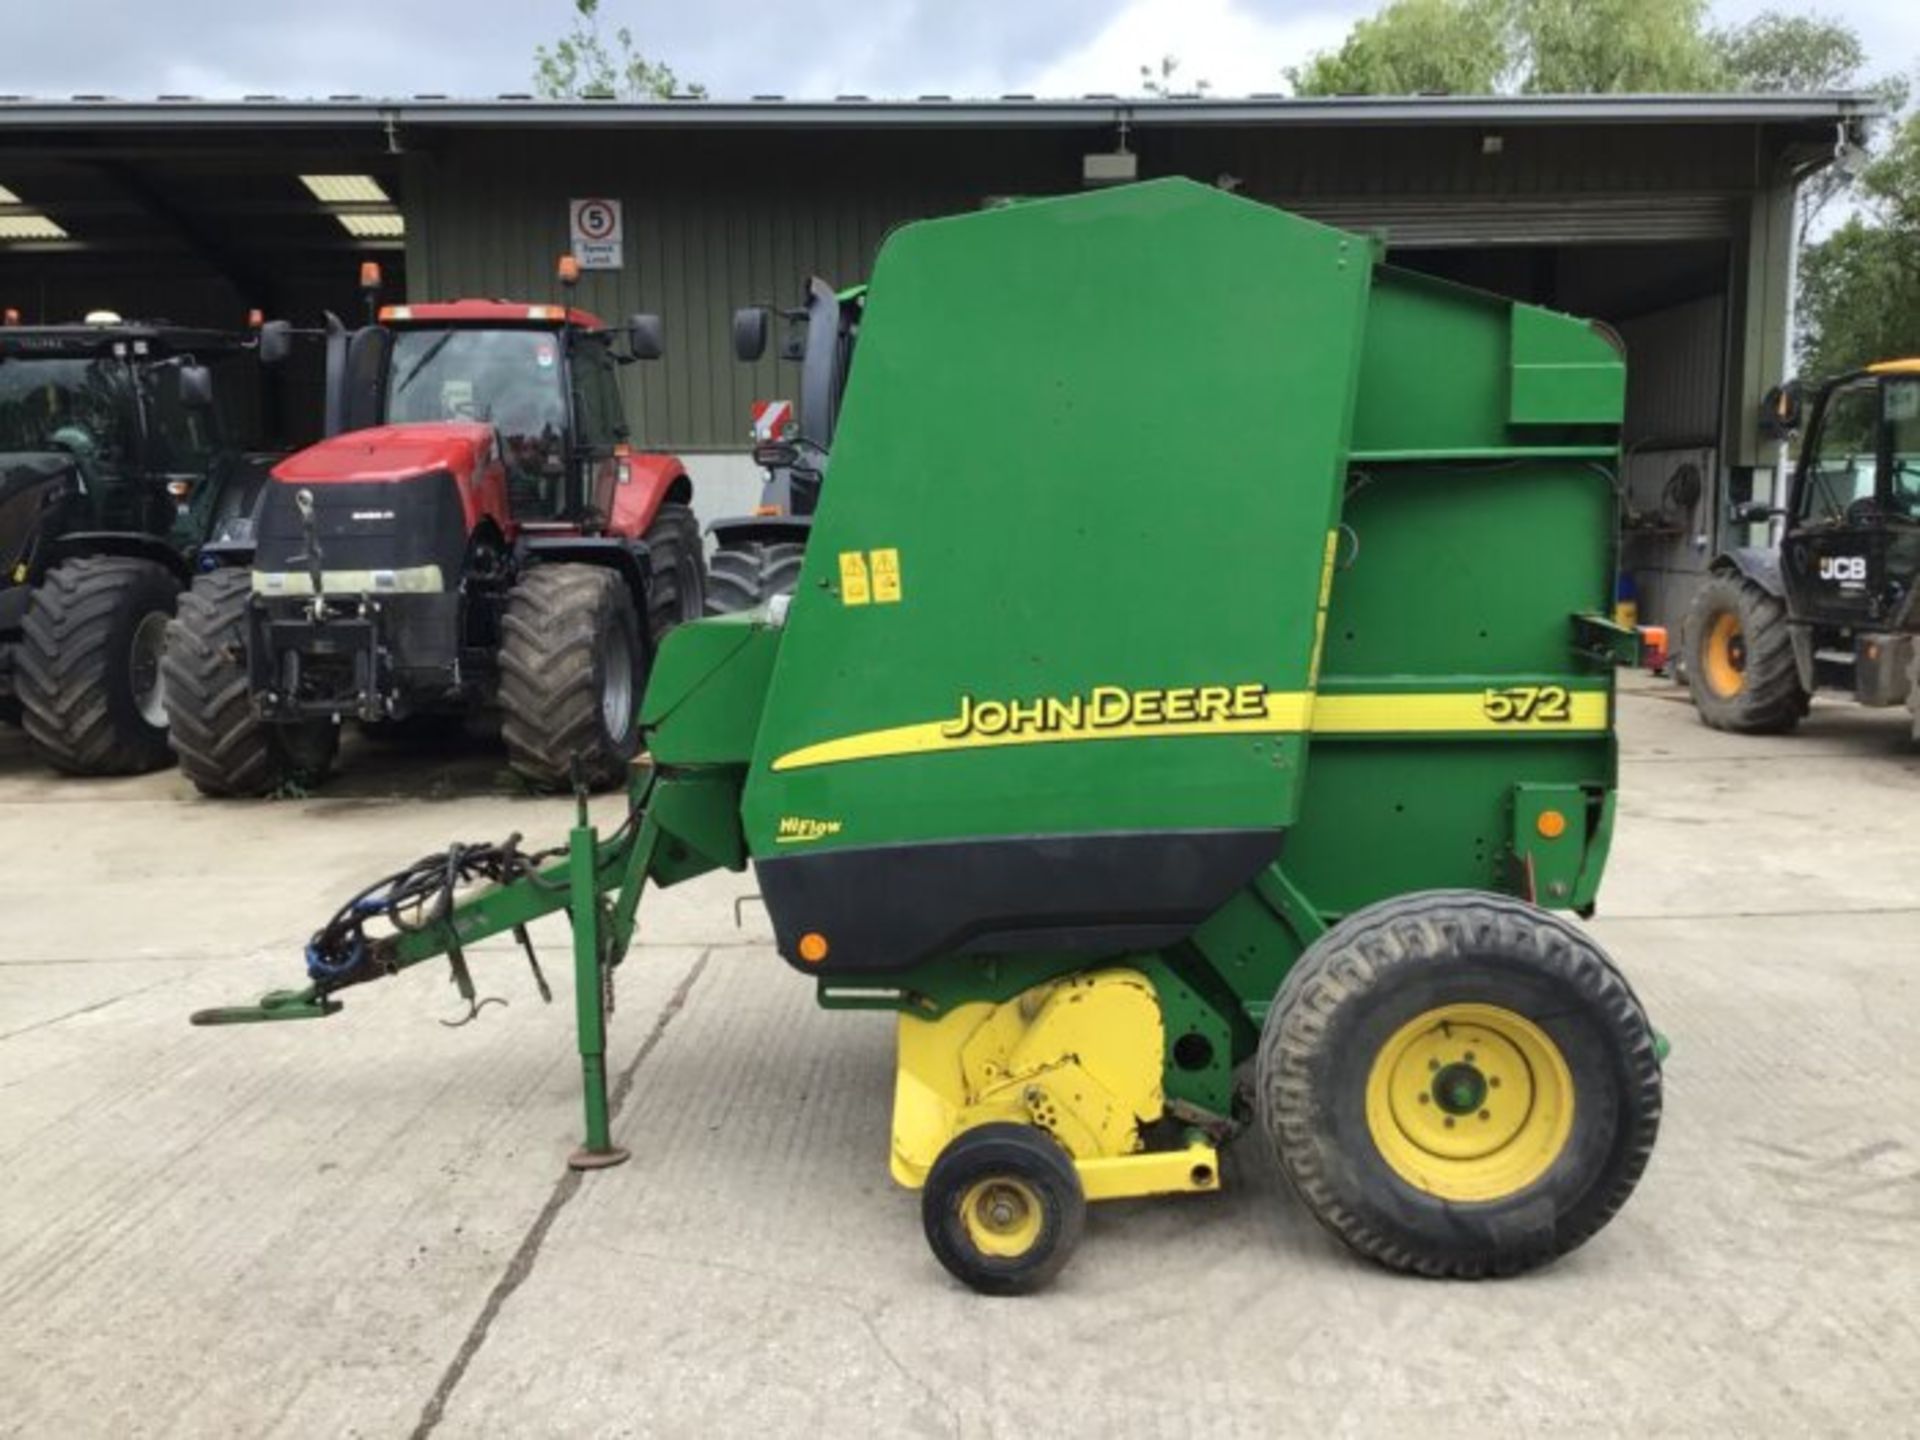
(1903, 440)
(184, 439)
(66, 403)
(510, 378)
(1845, 462)
(597, 395)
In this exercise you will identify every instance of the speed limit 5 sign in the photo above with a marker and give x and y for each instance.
(598, 232)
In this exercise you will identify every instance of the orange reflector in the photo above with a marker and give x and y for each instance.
(256, 318)
(568, 270)
(766, 509)
(1552, 824)
(369, 274)
(813, 947)
(179, 488)
(12, 316)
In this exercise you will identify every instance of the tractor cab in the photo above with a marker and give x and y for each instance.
(545, 378)
(1851, 551)
(143, 417)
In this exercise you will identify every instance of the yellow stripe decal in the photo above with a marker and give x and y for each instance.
(1531, 709)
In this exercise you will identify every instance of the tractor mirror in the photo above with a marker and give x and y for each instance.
(644, 338)
(196, 387)
(276, 342)
(1780, 411)
(1751, 512)
(750, 326)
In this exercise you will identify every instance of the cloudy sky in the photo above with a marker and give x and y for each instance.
(138, 48)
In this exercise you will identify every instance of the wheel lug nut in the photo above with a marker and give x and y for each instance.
(1449, 1122)
(1486, 1114)
(1424, 1097)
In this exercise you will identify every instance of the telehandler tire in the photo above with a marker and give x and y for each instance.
(225, 748)
(745, 577)
(1459, 1084)
(88, 665)
(573, 665)
(1003, 1208)
(1740, 667)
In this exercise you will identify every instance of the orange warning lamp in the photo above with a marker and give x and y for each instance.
(568, 270)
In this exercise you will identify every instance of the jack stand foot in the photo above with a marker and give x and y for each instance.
(585, 1159)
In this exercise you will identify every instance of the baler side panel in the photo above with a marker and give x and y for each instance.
(1464, 558)
(1063, 591)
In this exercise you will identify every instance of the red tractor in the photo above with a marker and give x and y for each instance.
(475, 532)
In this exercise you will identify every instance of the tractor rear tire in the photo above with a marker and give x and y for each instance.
(573, 666)
(225, 748)
(1003, 1208)
(1740, 667)
(677, 578)
(745, 577)
(89, 679)
(1459, 1084)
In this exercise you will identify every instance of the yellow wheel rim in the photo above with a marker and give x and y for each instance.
(1003, 1216)
(1723, 659)
(1470, 1102)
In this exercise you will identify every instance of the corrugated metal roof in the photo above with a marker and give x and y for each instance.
(257, 111)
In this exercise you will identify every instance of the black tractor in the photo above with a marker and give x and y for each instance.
(120, 456)
(1836, 606)
(757, 557)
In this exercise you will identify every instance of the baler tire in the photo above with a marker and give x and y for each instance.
(745, 577)
(554, 648)
(1582, 1104)
(677, 580)
(80, 700)
(224, 747)
(1036, 1175)
(1739, 654)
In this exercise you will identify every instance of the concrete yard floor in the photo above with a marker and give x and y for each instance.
(365, 1227)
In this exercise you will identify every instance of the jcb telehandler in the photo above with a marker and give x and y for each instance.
(1836, 606)
(475, 532)
(757, 557)
(1132, 875)
(120, 454)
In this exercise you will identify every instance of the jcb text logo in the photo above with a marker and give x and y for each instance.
(1844, 569)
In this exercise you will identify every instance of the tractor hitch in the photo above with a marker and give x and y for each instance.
(308, 1004)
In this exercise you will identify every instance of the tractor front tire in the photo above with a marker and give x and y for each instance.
(745, 577)
(225, 748)
(677, 570)
(573, 665)
(1740, 667)
(1003, 1208)
(1458, 1084)
(88, 665)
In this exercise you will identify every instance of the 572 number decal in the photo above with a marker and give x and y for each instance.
(1528, 705)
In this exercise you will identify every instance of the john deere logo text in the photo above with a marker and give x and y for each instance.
(799, 829)
(1106, 707)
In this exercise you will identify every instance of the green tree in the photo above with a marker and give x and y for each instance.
(1798, 54)
(585, 64)
(1860, 287)
(1603, 47)
(1414, 47)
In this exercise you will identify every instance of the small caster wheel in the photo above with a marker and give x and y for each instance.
(1003, 1208)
